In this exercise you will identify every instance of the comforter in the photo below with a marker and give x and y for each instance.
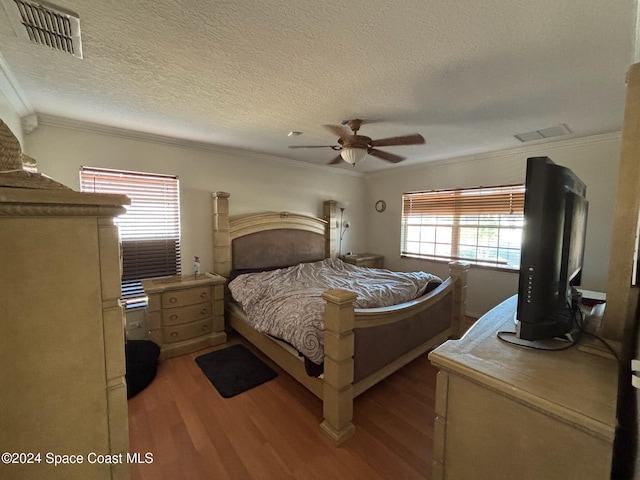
(287, 303)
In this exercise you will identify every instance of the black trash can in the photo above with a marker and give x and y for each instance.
(141, 364)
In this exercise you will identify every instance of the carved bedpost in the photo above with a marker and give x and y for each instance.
(338, 365)
(221, 237)
(459, 271)
(331, 237)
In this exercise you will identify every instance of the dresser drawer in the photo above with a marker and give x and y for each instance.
(191, 313)
(369, 263)
(184, 332)
(187, 296)
(370, 260)
(185, 314)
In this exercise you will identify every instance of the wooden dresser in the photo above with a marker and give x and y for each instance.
(507, 412)
(370, 260)
(185, 314)
(62, 364)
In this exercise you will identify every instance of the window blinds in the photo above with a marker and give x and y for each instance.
(150, 229)
(508, 199)
(480, 225)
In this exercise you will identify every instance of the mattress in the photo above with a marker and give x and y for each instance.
(287, 303)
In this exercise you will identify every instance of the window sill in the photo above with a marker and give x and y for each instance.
(472, 265)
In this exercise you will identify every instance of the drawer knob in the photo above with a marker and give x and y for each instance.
(174, 317)
(204, 311)
(173, 299)
(205, 327)
(204, 295)
(174, 334)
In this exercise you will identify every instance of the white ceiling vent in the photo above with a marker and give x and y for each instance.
(45, 24)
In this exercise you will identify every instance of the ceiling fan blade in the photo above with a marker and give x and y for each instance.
(415, 139)
(338, 130)
(389, 157)
(336, 160)
(314, 146)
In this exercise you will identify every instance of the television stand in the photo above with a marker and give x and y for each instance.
(568, 340)
(557, 343)
(507, 412)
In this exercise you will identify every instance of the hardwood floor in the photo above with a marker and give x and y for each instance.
(272, 431)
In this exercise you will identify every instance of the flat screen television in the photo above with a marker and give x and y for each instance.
(555, 222)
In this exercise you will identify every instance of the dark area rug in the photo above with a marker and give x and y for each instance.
(234, 370)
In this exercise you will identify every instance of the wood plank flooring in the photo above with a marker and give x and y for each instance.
(272, 431)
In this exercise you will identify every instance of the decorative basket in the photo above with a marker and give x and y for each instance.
(10, 150)
(11, 172)
(28, 161)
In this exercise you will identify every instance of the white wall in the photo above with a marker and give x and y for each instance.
(594, 160)
(9, 116)
(263, 183)
(255, 183)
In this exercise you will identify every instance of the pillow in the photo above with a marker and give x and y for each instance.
(234, 273)
(432, 285)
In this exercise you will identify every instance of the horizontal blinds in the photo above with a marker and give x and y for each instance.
(133, 294)
(150, 229)
(475, 201)
(150, 258)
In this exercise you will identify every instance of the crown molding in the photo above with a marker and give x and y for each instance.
(62, 122)
(518, 151)
(11, 89)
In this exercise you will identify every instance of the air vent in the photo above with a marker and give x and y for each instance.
(46, 24)
(544, 133)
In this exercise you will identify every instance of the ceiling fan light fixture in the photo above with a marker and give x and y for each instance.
(353, 155)
(353, 147)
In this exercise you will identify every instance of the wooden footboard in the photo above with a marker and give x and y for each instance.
(352, 332)
(362, 347)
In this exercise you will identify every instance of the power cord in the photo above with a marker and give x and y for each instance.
(580, 324)
(558, 343)
(549, 344)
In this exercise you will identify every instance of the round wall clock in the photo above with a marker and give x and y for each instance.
(381, 206)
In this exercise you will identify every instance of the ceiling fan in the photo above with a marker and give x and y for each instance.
(354, 148)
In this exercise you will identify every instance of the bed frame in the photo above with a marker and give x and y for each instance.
(362, 346)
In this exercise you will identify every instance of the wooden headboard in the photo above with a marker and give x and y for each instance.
(270, 239)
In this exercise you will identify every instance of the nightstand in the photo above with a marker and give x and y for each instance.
(370, 260)
(185, 314)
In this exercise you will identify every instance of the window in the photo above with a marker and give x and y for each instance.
(482, 226)
(150, 229)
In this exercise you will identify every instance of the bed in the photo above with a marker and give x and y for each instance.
(361, 346)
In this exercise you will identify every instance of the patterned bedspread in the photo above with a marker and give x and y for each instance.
(287, 303)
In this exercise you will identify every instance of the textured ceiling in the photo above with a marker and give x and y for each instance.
(467, 75)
